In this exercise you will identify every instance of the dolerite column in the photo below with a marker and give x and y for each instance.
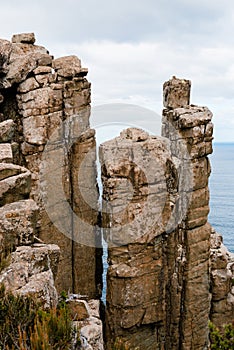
(49, 102)
(139, 184)
(189, 130)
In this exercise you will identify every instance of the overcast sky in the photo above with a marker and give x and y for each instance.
(132, 46)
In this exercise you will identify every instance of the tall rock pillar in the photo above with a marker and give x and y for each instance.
(155, 203)
(190, 130)
(48, 100)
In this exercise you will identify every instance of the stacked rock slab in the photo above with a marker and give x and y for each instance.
(47, 102)
(190, 130)
(155, 203)
(86, 318)
(32, 271)
(222, 278)
(26, 267)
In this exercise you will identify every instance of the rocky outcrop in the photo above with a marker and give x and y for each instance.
(156, 202)
(86, 319)
(44, 123)
(169, 272)
(26, 267)
(18, 222)
(15, 183)
(32, 271)
(222, 282)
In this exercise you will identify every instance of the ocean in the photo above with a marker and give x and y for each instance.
(221, 186)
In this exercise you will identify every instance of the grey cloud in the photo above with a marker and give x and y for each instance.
(132, 47)
(120, 21)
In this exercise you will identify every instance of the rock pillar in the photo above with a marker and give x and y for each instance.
(190, 130)
(48, 101)
(156, 202)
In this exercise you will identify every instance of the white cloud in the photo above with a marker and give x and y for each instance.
(131, 47)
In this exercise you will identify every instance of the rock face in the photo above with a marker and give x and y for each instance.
(44, 127)
(18, 222)
(30, 268)
(86, 317)
(169, 272)
(32, 271)
(176, 93)
(222, 277)
(156, 202)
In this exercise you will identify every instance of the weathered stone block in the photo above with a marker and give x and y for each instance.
(28, 85)
(43, 79)
(6, 155)
(14, 187)
(41, 286)
(8, 170)
(27, 38)
(44, 60)
(7, 129)
(28, 148)
(23, 59)
(221, 284)
(42, 70)
(68, 66)
(197, 217)
(195, 174)
(32, 271)
(17, 224)
(176, 93)
(91, 334)
(78, 309)
(187, 118)
(35, 130)
(42, 98)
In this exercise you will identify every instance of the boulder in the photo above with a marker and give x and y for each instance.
(26, 38)
(31, 271)
(6, 155)
(176, 93)
(68, 66)
(7, 129)
(15, 183)
(18, 222)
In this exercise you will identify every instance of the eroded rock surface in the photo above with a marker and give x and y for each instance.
(44, 123)
(222, 278)
(18, 222)
(156, 199)
(86, 317)
(31, 271)
(168, 271)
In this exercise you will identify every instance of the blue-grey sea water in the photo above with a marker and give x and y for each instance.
(222, 192)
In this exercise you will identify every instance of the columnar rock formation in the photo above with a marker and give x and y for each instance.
(169, 272)
(156, 200)
(44, 115)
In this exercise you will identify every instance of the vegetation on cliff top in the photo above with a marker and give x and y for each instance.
(24, 325)
(222, 339)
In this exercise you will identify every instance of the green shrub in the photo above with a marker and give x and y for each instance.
(223, 340)
(25, 326)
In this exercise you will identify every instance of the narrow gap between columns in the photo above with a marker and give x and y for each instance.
(104, 244)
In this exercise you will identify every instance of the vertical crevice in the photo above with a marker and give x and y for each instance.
(68, 157)
(183, 277)
(100, 220)
(72, 220)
